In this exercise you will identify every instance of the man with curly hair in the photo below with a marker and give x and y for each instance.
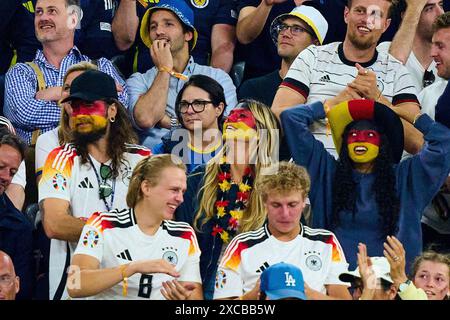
(283, 238)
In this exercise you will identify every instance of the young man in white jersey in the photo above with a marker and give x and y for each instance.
(353, 69)
(413, 40)
(283, 238)
(139, 252)
(91, 174)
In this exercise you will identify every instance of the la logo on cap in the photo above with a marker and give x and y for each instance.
(290, 281)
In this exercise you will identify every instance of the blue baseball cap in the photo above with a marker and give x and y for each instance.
(282, 281)
(177, 7)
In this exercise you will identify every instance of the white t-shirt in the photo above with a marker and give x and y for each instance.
(316, 252)
(65, 178)
(20, 177)
(414, 67)
(429, 96)
(45, 143)
(114, 238)
(322, 72)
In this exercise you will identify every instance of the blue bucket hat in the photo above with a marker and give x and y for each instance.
(282, 281)
(179, 8)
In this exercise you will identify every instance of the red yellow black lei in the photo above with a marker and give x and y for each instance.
(227, 216)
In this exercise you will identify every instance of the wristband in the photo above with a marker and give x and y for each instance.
(123, 271)
(173, 73)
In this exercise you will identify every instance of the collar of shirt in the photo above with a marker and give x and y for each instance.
(40, 57)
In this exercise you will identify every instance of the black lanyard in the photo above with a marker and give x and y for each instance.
(108, 207)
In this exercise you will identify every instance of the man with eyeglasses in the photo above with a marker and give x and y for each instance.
(167, 29)
(91, 174)
(291, 33)
(352, 69)
(412, 42)
(9, 282)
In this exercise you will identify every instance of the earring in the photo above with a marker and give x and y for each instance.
(112, 119)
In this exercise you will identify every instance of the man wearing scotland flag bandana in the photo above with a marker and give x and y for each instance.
(367, 194)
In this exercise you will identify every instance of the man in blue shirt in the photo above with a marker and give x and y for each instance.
(15, 229)
(168, 31)
(215, 21)
(33, 109)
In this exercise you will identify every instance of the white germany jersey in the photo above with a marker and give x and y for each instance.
(65, 178)
(114, 238)
(321, 72)
(316, 252)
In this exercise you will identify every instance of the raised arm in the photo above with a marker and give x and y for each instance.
(151, 105)
(402, 43)
(223, 39)
(125, 24)
(251, 20)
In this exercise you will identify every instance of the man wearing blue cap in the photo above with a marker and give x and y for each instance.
(282, 281)
(168, 30)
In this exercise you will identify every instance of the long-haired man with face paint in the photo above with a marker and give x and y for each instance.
(367, 194)
(90, 174)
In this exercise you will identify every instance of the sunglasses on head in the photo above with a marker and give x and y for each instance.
(105, 189)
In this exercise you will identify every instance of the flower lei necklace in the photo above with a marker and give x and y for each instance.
(227, 217)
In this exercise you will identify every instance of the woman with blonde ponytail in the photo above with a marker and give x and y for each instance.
(139, 252)
(219, 199)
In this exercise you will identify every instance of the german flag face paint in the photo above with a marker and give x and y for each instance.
(240, 124)
(363, 145)
(88, 116)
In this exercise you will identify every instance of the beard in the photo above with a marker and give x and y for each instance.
(82, 139)
(359, 43)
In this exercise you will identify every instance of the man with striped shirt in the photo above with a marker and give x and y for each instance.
(29, 107)
(353, 69)
(283, 238)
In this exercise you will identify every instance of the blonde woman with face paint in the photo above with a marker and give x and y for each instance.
(220, 201)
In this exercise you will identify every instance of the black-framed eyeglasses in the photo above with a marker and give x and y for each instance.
(428, 78)
(105, 189)
(197, 105)
(296, 30)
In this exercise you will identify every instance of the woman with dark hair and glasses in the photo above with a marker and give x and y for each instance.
(199, 106)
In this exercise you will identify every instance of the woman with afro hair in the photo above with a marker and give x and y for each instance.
(368, 194)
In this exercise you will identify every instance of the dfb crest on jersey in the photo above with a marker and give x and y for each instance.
(170, 256)
(314, 262)
(200, 3)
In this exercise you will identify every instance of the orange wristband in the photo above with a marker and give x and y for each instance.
(173, 73)
(123, 269)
